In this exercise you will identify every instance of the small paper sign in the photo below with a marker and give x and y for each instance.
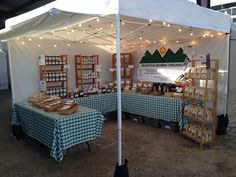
(43, 85)
(41, 60)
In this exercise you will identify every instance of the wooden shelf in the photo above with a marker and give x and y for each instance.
(189, 135)
(87, 68)
(126, 59)
(211, 125)
(48, 68)
(55, 86)
(57, 81)
(79, 78)
(55, 64)
(80, 66)
(190, 117)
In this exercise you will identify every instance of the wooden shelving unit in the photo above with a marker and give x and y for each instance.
(126, 71)
(85, 72)
(54, 73)
(201, 126)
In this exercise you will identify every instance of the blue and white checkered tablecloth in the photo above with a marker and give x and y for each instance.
(56, 131)
(102, 102)
(160, 107)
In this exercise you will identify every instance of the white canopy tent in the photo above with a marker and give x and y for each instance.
(140, 25)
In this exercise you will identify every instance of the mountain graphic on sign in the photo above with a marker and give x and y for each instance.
(180, 56)
(169, 57)
(148, 58)
(158, 57)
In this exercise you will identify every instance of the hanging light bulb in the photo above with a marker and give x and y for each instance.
(147, 40)
(154, 42)
(52, 31)
(55, 45)
(40, 37)
(100, 28)
(30, 39)
(191, 34)
(150, 20)
(193, 42)
(112, 25)
(84, 31)
(39, 45)
(80, 41)
(168, 25)
(132, 46)
(68, 44)
(65, 28)
(68, 32)
(177, 41)
(23, 42)
(140, 37)
(164, 42)
(98, 20)
(219, 33)
(72, 30)
(164, 23)
(161, 40)
(180, 30)
(123, 23)
(17, 38)
(141, 45)
(54, 34)
(212, 35)
(80, 25)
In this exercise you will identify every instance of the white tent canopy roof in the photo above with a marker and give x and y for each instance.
(178, 12)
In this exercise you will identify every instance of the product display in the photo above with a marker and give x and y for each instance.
(69, 108)
(126, 67)
(199, 104)
(60, 92)
(53, 106)
(37, 97)
(87, 70)
(54, 75)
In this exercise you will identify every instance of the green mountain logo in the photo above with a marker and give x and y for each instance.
(169, 57)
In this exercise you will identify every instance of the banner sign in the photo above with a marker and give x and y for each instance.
(157, 68)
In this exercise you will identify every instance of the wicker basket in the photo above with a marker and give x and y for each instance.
(73, 108)
(170, 94)
(37, 103)
(52, 107)
(42, 104)
(178, 95)
(145, 90)
(157, 93)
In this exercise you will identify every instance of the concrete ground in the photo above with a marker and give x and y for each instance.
(150, 151)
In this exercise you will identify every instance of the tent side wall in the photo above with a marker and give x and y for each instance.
(218, 49)
(232, 83)
(25, 68)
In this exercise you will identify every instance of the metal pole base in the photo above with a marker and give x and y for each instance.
(122, 170)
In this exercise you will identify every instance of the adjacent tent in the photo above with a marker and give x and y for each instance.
(140, 25)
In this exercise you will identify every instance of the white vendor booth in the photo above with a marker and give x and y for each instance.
(104, 27)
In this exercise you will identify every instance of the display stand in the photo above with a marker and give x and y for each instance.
(54, 76)
(86, 73)
(200, 103)
(126, 66)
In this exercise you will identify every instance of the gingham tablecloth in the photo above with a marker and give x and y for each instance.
(102, 102)
(59, 132)
(160, 107)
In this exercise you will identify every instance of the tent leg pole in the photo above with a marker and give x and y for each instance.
(118, 89)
